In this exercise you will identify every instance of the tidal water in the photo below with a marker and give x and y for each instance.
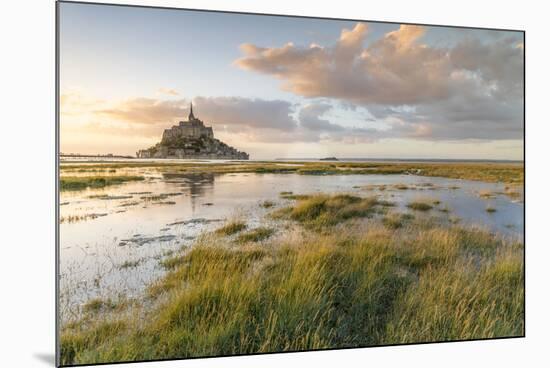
(111, 239)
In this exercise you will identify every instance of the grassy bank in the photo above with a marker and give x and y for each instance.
(490, 172)
(347, 271)
(83, 182)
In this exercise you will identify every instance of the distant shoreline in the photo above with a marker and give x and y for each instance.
(344, 159)
(102, 158)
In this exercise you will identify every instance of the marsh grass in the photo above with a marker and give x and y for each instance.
(129, 204)
(96, 305)
(255, 235)
(159, 197)
(490, 172)
(267, 204)
(319, 211)
(292, 196)
(165, 203)
(462, 301)
(420, 205)
(454, 220)
(396, 220)
(369, 283)
(232, 227)
(108, 197)
(486, 194)
(77, 218)
(171, 262)
(83, 182)
(297, 196)
(380, 187)
(130, 264)
(401, 186)
(75, 342)
(353, 289)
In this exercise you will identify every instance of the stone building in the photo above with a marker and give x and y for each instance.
(191, 139)
(192, 128)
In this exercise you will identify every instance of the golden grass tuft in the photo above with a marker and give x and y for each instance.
(67, 183)
(255, 235)
(232, 227)
(419, 205)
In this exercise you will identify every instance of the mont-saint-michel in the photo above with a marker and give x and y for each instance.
(191, 139)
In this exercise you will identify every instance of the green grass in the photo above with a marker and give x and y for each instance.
(326, 291)
(255, 235)
(160, 196)
(361, 285)
(77, 218)
(296, 196)
(171, 262)
(96, 305)
(396, 220)
(83, 182)
(319, 211)
(130, 264)
(462, 301)
(232, 227)
(75, 342)
(420, 206)
(267, 204)
(380, 187)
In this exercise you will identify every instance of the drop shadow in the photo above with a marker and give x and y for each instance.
(46, 358)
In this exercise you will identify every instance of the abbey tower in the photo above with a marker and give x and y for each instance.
(191, 139)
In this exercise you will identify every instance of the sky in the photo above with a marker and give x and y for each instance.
(287, 87)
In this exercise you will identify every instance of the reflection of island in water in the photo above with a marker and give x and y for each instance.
(193, 184)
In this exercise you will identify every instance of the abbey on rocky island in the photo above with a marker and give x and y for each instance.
(191, 139)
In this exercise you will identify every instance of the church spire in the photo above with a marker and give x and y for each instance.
(191, 116)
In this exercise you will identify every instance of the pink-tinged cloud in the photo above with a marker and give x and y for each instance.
(232, 112)
(395, 69)
(473, 90)
(144, 110)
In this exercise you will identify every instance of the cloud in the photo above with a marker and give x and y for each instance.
(233, 119)
(498, 65)
(395, 69)
(474, 110)
(472, 90)
(245, 112)
(315, 126)
(251, 119)
(73, 103)
(310, 118)
(168, 92)
(220, 111)
(144, 110)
